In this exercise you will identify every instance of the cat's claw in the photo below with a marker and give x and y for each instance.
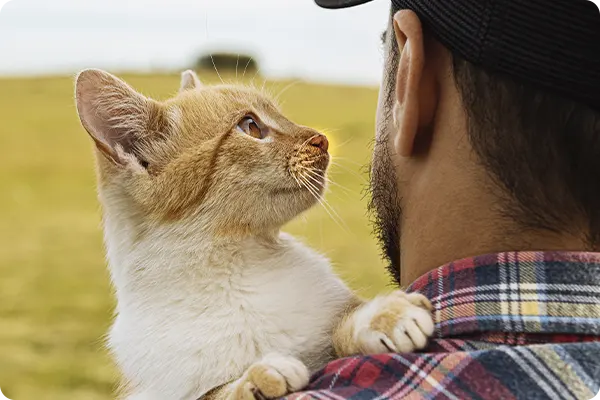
(272, 377)
(396, 323)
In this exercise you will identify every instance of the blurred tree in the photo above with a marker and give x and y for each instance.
(227, 61)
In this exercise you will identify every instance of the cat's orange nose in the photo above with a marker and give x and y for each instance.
(321, 142)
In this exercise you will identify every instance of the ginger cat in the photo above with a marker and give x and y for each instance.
(213, 300)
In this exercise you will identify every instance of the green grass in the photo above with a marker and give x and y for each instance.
(55, 296)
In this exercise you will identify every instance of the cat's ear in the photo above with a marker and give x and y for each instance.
(189, 81)
(114, 114)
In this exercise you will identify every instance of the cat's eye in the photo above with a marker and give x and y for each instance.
(250, 127)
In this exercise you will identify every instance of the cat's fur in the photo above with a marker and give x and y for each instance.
(212, 298)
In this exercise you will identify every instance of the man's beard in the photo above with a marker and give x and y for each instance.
(384, 206)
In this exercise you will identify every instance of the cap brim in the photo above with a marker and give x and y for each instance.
(340, 3)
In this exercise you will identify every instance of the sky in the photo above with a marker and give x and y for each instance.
(290, 38)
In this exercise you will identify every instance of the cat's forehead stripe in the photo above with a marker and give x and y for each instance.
(266, 119)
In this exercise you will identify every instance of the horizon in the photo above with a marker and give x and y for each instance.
(297, 40)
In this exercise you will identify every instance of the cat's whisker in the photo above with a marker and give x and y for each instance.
(349, 160)
(329, 131)
(254, 77)
(336, 172)
(315, 178)
(350, 171)
(326, 186)
(304, 180)
(246, 67)
(341, 194)
(344, 143)
(314, 174)
(307, 163)
(316, 170)
(296, 179)
(262, 89)
(328, 208)
(332, 214)
(211, 56)
(285, 89)
(327, 204)
(315, 193)
(216, 70)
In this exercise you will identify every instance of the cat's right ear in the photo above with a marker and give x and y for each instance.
(189, 81)
(114, 114)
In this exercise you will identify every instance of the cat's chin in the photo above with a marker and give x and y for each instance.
(298, 199)
(310, 195)
(288, 191)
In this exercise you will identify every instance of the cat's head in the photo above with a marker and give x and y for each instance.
(224, 155)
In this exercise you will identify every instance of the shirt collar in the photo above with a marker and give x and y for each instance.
(516, 292)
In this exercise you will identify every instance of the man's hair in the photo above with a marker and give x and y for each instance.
(541, 149)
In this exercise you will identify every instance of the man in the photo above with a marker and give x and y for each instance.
(487, 163)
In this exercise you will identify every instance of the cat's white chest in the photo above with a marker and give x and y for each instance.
(288, 307)
(234, 308)
(286, 302)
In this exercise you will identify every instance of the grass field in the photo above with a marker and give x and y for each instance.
(55, 297)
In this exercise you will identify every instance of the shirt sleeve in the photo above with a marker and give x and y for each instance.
(525, 372)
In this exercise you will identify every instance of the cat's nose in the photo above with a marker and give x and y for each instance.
(320, 141)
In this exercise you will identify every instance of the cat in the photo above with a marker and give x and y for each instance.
(213, 300)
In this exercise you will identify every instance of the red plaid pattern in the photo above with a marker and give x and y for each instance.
(520, 325)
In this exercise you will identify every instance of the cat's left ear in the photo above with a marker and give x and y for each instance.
(189, 81)
(116, 116)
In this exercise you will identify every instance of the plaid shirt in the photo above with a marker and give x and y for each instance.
(508, 326)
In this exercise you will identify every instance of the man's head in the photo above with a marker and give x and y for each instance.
(471, 158)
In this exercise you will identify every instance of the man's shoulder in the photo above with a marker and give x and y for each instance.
(465, 370)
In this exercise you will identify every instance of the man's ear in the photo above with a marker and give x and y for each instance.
(414, 106)
(189, 81)
(115, 115)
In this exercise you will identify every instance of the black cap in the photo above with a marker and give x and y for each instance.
(340, 3)
(552, 44)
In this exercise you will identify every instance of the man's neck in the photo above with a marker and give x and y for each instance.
(464, 224)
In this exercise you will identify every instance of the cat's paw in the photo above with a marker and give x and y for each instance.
(397, 323)
(272, 377)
